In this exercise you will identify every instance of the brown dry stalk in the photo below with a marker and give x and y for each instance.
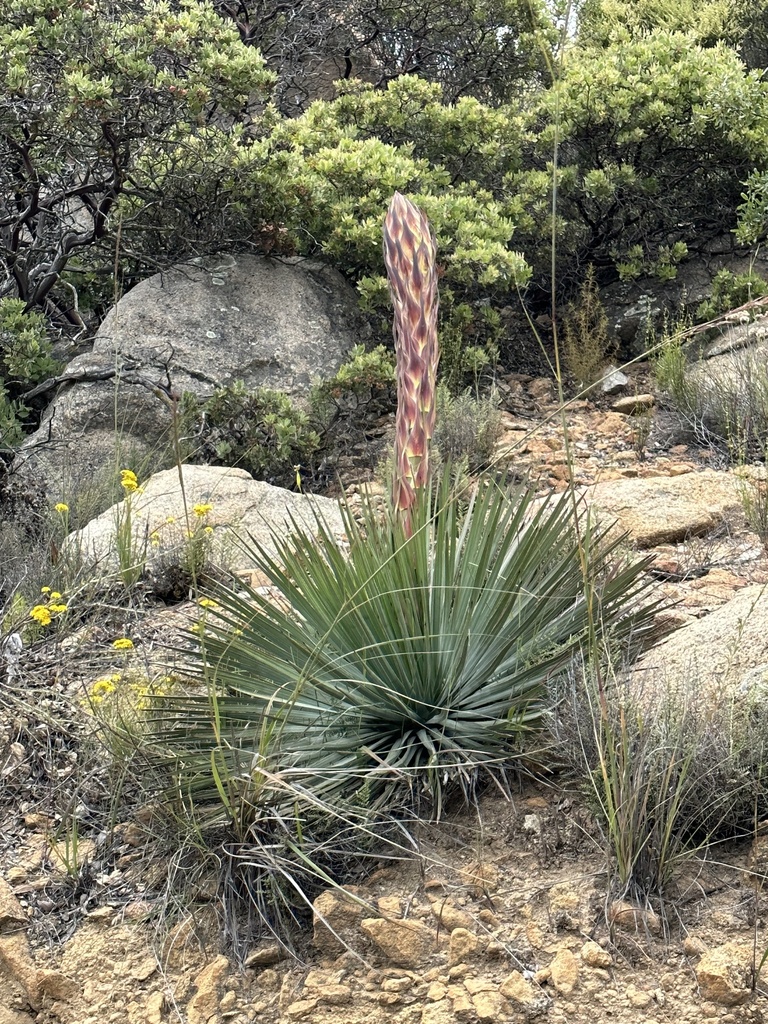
(409, 255)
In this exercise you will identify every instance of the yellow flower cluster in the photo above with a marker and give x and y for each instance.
(137, 691)
(61, 506)
(103, 687)
(43, 613)
(128, 481)
(123, 644)
(202, 510)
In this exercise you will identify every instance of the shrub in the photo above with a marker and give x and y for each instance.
(108, 107)
(669, 772)
(585, 336)
(260, 431)
(729, 291)
(467, 428)
(25, 359)
(358, 393)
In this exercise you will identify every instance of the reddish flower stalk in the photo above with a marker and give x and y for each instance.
(409, 254)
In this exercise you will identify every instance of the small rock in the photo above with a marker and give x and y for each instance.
(532, 824)
(463, 1007)
(724, 974)
(489, 1006)
(518, 989)
(464, 944)
(401, 984)
(450, 917)
(593, 955)
(566, 906)
(153, 1011)
(301, 1008)
(337, 920)
(613, 381)
(334, 995)
(630, 917)
(145, 969)
(406, 943)
(694, 946)
(633, 404)
(436, 992)
(638, 997)
(12, 915)
(390, 906)
(265, 957)
(565, 971)
(204, 1004)
(228, 1002)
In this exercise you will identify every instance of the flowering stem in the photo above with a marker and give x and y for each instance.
(409, 255)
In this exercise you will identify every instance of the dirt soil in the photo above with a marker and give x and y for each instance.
(506, 913)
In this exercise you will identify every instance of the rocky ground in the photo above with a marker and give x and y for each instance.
(508, 912)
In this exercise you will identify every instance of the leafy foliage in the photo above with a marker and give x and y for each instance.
(729, 291)
(407, 663)
(105, 103)
(656, 135)
(25, 359)
(260, 431)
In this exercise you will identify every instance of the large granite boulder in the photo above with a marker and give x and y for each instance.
(279, 324)
(227, 503)
(668, 509)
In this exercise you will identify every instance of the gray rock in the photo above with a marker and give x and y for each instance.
(719, 657)
(274, 324)
(613, 381)
(241, 508)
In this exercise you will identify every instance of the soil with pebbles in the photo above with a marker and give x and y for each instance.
(506, 913)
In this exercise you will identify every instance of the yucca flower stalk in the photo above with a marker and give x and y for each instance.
(409, 255)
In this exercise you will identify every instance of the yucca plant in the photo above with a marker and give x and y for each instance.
(409, 661)
(405, 659)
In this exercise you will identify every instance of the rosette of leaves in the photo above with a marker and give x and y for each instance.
(392, 663)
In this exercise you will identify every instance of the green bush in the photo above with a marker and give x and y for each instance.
(729, 291)
(25, 359)
(467, 428)
(632, 119)
(260, 431)
(363, 384)
(112, 121)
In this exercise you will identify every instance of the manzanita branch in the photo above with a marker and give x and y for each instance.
(409, 255)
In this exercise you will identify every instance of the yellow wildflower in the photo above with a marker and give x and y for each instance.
(208, 530)
(41, 614)
(170, 520)
(102, 687)
(55, 595)
(61, 506)
(202, 510)
(58, 608)
(123, 644)
(154, 539)
(45, 590)
(207, 602)
(128, 481)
